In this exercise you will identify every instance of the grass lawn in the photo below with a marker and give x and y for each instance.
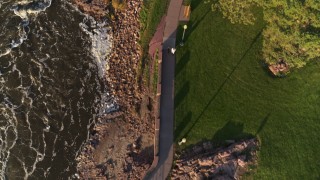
(223, 91)
(150, 16)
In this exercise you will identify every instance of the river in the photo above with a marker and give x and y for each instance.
(52, 73)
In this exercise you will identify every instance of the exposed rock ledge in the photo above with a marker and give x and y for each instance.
(203, 162)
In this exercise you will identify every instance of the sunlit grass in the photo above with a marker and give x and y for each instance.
(223, 91)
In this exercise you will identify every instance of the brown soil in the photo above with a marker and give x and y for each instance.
(121, 143)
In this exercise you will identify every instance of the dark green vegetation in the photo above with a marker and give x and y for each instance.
(150, 16)
(223, 91)
(292, 27)
(186, 2)
(155, 73)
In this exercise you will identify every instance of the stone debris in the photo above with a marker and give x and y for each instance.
(120, 145)
(125, 56)
(205, 162)
(94, 8)
(279, 68)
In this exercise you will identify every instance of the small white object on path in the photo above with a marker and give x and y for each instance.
(173, 50)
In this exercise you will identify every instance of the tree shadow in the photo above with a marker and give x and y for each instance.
(232, 130)
(182, 125)
(224, 82)
(195, 24)
(181, 94)
(182, 63)
(195, 4)
(263, 123)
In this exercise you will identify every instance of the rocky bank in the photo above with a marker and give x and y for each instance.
(121, 143)
(228, 163)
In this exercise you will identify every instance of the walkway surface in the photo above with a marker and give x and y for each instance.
(163, 168)
(157, 39)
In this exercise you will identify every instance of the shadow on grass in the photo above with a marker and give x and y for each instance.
(182, 125)
(181, 94)
(195, 4)
(263, 123)
(222, 85)
(232, 130)
(182, 63)
(193, 24)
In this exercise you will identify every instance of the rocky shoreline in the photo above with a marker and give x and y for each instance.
(120, 145)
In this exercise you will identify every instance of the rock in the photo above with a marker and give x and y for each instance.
(110, 149)
(123, 87)
(215, 164)
(205, 162)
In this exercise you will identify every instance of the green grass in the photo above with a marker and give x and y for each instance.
(223, 91)
(150, 16)
(155, 73)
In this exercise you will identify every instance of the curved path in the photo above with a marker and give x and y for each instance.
(161, 171)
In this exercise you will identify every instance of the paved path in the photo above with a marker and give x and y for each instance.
(163, 168)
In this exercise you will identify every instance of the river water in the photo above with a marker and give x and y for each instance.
(51, 86)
